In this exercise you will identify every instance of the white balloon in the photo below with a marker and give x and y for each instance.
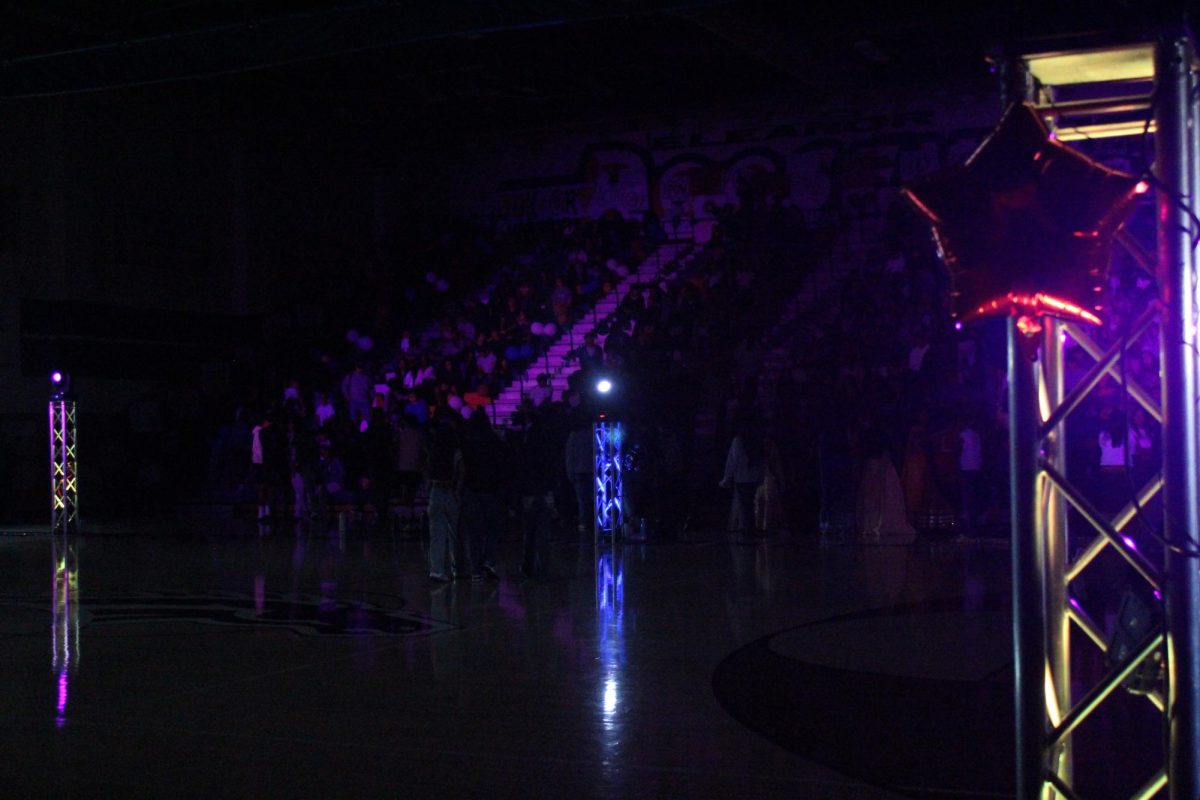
(431, 277)
(352, 335)
(455, 402)
(443, 286)
(466, 411)
(365, 343)
(549, 329)
(536, 328)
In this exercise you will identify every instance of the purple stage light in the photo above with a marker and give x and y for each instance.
(56, 376)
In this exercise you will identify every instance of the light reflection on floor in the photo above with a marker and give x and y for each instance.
(301, 664)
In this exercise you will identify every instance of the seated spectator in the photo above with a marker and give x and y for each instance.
(324, 409)
(590, 354)
(479, 398)
(485, 359)
(417, 408)
(356, 391)
(560, 301)
(293, 400)
(541, 393)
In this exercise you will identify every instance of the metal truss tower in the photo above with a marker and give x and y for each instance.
(64, 488)
(1047, 608)
(606, 451)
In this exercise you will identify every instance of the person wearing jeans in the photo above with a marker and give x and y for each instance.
(444, 469)
(486, 473)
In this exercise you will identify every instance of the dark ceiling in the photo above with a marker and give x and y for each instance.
(472, 67)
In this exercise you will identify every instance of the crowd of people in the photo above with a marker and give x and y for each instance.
(888, 419)
(895, 416)
(457, 347)
(368, 421)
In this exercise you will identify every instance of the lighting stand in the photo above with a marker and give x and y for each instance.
(1045, 608)
(607, 436)
(64, 490)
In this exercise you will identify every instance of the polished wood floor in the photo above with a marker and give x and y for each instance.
(212, 659)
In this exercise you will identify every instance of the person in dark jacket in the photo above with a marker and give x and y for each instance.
(485, 470)
(379, 457)
(275, 468)
(444, 471)
(537, 473)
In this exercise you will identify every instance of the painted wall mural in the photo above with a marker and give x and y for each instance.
(844, 166)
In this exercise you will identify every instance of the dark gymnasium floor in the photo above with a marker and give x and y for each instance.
(205, 660)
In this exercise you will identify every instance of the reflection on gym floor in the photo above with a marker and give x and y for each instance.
(279, 662)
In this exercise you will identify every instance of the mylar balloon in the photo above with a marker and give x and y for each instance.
(1025, 225)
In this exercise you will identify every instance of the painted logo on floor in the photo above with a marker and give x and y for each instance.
(304, 614)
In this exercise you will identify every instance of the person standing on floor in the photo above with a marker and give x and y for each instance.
(768, 498)
(486, 468)
(272, 454)
(538, 474)
(970, 474)
(356, 391)
(256, 471)
(745, 467)
(444, 472)
(380, 461)
(409, 447)
(580, 464)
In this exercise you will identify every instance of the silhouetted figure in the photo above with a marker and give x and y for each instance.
(486, 469)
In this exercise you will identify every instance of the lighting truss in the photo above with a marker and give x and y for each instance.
(1044, 572)
(1045, 606)
(64, 489)
(606, 451)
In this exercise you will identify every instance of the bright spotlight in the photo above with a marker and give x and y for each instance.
(56, 377)
(604, 386)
